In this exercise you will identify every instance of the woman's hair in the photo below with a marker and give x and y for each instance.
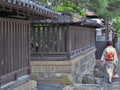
(109, 43)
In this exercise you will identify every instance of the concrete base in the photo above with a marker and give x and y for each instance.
(22, 83)
(30, 85)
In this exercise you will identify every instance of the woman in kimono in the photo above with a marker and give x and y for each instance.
(110, 60)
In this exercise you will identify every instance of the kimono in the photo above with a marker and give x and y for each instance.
(110, 65)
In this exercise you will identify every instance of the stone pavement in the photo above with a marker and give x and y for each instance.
(105, 86)
(115, 85)
(50, 87)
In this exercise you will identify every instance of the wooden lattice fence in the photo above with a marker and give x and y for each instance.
(60, 41)
(14, 49)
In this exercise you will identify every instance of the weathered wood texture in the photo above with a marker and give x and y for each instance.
(60, 41)
(14, 49)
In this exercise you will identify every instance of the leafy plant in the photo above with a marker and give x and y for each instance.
(107, 9)
(65, 5)
(71, 7)
(117, 25)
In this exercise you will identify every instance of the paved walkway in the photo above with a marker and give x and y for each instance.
(106, 86)
(50, 87)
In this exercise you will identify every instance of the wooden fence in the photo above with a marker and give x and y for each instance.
(81, 39)
(60, 41)
(14, 49)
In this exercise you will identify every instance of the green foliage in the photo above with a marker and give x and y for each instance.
(65, 5)
(71, 7)
(117, 26)
(107, 9)
(64, 8)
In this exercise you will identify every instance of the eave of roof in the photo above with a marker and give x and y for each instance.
(22, 10)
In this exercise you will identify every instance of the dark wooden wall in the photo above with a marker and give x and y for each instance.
(14, 49)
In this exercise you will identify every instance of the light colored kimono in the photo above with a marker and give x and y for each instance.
(110, 64)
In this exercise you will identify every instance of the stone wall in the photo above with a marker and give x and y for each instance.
(74, 69)
(83, 65)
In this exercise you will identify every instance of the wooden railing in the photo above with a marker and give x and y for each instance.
(60, 41)
(14, 49)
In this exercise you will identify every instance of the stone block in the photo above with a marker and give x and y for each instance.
(88, 79)
(99, 66)
(98, 73)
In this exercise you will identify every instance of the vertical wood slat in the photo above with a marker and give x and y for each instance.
(11, 48)
(62, 40)
(21, 41)
(1, 47)
(58, 39)
(39, 42)
(34, 39)
(5, 45)
(8, 50)
(24, 45)
(44, 40)
(48, 39)
(28, 53)
(53, 39)
(14, 46)
(17, 44)
(41, 38)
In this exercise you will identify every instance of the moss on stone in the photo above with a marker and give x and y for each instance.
(63, 80)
